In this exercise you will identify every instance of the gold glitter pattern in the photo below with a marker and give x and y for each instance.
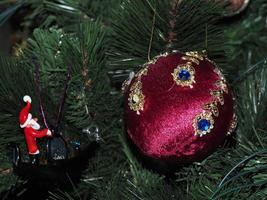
(212, 107)
(218, 96)
(136, 98)
(195, 54)
(191, 59)
(233, 125)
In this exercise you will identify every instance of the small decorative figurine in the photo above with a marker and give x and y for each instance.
(64, 155)
(31, 130)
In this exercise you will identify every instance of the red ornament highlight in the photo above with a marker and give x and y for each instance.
(179, 108)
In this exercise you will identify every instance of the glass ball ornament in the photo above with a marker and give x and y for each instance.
(185, 108)
(92, 132)
(234, 7)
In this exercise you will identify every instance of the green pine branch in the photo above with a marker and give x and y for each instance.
(146, 28)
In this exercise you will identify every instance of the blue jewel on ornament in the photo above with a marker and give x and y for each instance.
(204, 125)
(184, 75)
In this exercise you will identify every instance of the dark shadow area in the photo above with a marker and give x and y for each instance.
(42, 179)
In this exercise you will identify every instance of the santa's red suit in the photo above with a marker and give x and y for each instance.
(31, 127)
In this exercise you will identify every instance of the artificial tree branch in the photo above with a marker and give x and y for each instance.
(87, 80)
(172, 35)
(64, 95)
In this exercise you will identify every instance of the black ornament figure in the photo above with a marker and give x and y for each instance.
(56, 148)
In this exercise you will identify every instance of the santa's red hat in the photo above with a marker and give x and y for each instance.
(25, 115)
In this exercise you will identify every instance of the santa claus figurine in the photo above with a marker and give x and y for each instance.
(31, 130)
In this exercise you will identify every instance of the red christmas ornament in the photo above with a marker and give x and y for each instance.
(179, 108)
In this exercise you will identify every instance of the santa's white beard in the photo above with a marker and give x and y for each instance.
(34, 124)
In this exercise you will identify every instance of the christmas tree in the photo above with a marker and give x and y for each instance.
(72, 58)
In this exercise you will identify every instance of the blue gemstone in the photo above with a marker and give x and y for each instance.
(203, 125)
(184, 75)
